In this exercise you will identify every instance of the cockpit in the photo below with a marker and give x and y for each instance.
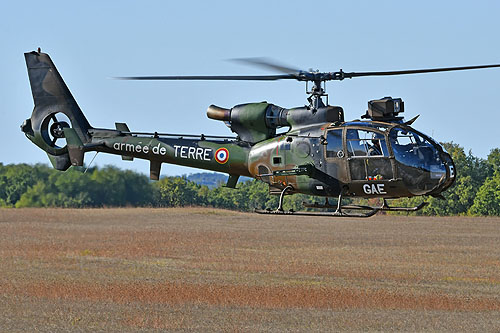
(381, 151)
(422, 163)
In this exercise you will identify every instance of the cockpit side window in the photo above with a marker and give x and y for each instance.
(409, 146)
(363, 143)
(402, 138)
(334, 146)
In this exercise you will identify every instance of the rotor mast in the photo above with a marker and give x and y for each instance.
(317, 92)
(318, 88)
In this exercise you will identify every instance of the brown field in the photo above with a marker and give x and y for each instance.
(213, 270)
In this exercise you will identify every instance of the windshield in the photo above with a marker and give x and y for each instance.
(419, 161)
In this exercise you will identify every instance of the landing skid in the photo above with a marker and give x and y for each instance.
(385, 207)
(340, 210)
(327, 214)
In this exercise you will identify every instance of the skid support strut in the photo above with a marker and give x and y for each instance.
(282, 197)
(338, 211)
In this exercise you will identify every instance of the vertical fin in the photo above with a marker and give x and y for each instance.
(232, 181)
(154, 170)
(75, 147)
(51, 96)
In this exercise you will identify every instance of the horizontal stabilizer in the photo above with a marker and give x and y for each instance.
(122, 127)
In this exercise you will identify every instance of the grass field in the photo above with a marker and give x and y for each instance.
(214, 270)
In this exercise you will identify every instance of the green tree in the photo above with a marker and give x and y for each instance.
(487, 201)
(177, 191)
(139, 191)
(259, 197)
(494, 160)
(15, 179)
(109, 186)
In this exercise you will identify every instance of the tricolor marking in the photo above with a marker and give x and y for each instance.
(222, 155)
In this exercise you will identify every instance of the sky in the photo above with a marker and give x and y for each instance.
(92, 41)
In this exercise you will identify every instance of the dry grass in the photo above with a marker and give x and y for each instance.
(205, 269)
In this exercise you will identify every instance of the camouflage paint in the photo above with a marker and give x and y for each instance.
(186, 152)
(297, 158)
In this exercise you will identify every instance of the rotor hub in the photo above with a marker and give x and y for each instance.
(57, 129)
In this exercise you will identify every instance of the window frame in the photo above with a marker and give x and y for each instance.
(342, 140)
(367, 129)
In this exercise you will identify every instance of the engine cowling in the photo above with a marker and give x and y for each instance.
(255, 122)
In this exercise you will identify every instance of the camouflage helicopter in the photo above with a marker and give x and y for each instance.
(321, 154)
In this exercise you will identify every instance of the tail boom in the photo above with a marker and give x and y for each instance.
(216, 155)
(51, 97)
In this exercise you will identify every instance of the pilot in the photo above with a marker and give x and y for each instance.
(375, 149)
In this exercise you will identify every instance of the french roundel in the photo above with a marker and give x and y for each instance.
(222, 155)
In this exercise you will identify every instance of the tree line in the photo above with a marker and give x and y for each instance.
(23, 185)
(475, 192)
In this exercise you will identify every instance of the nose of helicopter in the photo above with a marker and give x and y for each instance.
(449, 178)
(425, 167)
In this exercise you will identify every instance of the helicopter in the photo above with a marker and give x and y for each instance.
(320, 154)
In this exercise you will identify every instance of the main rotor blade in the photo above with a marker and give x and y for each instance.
(299, 75)
(267, 63)
(416, 71)
(213, 77)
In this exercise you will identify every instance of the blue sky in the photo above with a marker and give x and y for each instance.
(92, 41)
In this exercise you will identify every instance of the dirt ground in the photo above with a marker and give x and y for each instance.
(197, 269)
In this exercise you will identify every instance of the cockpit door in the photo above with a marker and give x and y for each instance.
(336, 156)
(367, 155)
